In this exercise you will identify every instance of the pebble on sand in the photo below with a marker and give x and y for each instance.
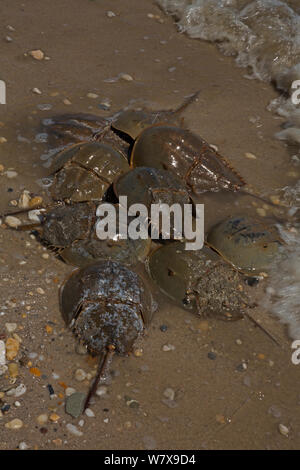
(37, 91)
(54, 417)
(168, 347)
(126, 77)
(14, 424)
(10, 173)
(74, 430)
(80, 375)
(12, 221)
(169, 393)
(2, 353)
(101, 391)
(250, 155)
(92, 95)
(13, 370)
(11, 327)
(12, 348)
(75, 404)
(42, 419)
(3, 140)
(37, 54)
(283, 430)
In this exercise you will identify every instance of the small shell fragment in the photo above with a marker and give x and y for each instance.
(37, 54)
(283, 430)
(250, 155)
(12, 221)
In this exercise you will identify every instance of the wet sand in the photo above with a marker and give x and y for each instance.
(218, 404)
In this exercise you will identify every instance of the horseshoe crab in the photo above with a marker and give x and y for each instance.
(198, 281)
(186, 155)
(69, 231)
(132, 122)
(249, 244)
(108, 307)
(84, 172)
(149, 186)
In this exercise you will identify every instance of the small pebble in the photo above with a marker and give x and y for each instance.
(33, 215)
(35, 201)
(11, 327)
(3, 140)
(37, 54)
(110, 14)
(24, 200)
(12, 348)
(54, 417)
(8, 39)
(92, 95)
(74, 430)
(211, 355)
(89, 413)
(2, 353)
(283, 430)
(11, 174)
(75, 404)
(102, 390)
(42, 419)
(169, 393)
(126, 77)
(138, 352)
(69, 391)
(37, 91)
(67, 102)
(12, 221)
(23, 446)
(80, 375)
(40, 290)
(14, 424)
(81, 423)
(238, 341)
(13, 369)
(163, 328)
(168, 347)
(241, 367)
(250, 155)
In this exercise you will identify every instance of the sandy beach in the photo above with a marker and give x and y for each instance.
(233, 386)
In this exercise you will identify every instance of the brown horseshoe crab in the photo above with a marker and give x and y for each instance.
(70, 232)
(84, 172)
(149, 186)
(188, 156)
(249, 244)
(198, 281)
(108, 307)
(132, 122)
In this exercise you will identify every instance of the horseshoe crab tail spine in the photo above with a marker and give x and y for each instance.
(186, 103)
(260, 198)
(262, 329)
(104, 359)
